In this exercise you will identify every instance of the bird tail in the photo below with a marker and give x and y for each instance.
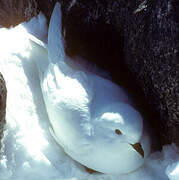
(56, 50)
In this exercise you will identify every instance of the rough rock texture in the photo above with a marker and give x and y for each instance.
(152, 55)
(3, 95)
(137, 41)
(12, 12)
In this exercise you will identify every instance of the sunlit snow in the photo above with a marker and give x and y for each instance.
(173, 171)
(28, 151)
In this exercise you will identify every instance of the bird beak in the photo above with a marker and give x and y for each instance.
(138, 148)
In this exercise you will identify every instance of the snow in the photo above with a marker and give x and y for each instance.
(28, 150)
(173, 171)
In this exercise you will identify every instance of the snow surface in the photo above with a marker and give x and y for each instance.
(28, 151)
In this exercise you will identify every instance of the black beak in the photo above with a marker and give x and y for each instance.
(138, 148)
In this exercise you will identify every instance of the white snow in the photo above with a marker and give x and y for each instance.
(28, 150)
(173, 171)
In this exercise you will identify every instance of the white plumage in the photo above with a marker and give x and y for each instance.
(91, 117)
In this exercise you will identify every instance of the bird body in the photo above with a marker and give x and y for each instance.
(92, 118)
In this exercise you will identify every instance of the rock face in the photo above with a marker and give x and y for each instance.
(152, 55)
(3, 95)
(136, 41)
(12, 12)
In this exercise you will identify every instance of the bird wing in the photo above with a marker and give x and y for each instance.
(68, 100)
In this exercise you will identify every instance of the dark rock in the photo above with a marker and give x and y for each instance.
(13, 12)
(151, 49)
(3, 95)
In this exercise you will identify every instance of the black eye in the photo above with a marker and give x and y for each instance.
(118, 132)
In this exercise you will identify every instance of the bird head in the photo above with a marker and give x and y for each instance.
(120, 123)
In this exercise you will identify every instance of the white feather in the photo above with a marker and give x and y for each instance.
(85, 110)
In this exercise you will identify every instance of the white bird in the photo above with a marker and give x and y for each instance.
(91, 117)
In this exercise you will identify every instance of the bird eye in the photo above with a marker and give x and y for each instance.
(118, 132)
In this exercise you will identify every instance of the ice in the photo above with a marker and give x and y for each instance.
(28, 150)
